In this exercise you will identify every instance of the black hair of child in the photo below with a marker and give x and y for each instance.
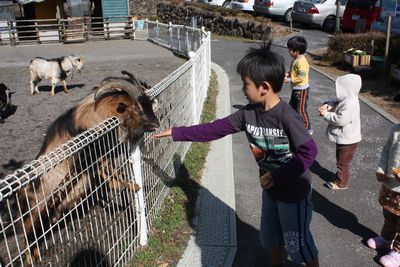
(263, 65)
(297, 43)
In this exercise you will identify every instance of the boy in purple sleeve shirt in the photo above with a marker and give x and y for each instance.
(283, 149)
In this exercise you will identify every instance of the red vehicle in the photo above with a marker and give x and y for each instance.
(360, 9)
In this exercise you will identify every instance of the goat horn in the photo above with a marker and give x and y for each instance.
(112, 85)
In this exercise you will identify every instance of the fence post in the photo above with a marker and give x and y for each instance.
(204, 42)
(179, 39)
(209, 53)
(137, 170)
(107, 29)
(192, 57)
(147, 29)
(10, 33)
(157, 30)
(170, 34)
(187, 39)
(37, 32)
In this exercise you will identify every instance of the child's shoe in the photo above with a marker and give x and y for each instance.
(391, 260)
(379, 242)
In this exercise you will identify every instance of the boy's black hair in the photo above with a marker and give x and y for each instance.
(263, 65)
(297, 43)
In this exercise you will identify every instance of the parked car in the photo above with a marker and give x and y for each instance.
(360, 9)
(317, 12)
(281, 8)
(223, 3)
(244, 5)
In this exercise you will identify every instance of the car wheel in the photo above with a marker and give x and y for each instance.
(227, 4)
(329, 24)
(288, 15)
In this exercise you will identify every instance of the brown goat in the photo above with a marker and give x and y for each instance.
(116, 96)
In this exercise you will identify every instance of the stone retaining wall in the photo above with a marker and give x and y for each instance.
(217, 23)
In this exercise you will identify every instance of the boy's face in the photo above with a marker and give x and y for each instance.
(293, 54)
(253, 93)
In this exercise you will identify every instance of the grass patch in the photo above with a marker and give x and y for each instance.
(173, 226)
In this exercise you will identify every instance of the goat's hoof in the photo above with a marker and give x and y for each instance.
(66, 91)
(53, 94)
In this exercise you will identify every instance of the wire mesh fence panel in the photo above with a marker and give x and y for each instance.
(88, 201)
(90, 214)
(161, 157)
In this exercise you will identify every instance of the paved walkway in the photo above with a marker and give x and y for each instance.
(340, 217)
(215, 240)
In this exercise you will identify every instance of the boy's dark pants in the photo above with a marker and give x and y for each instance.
(298, 101)
(390, 228)
(344, 155)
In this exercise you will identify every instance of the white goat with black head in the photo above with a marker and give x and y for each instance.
(56, 69)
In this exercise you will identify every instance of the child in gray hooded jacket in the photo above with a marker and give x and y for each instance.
(344, 128)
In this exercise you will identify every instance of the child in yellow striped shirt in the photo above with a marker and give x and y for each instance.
(298, 78)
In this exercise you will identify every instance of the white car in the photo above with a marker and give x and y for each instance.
(318, 12)
(223, 3)
(281, 8)
(244, 5)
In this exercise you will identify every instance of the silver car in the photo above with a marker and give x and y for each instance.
(318, 12)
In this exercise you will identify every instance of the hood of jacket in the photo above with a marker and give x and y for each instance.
(348, 86)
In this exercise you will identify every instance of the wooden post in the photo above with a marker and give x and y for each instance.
(37, 33)
(10, 32)
(107, 29)
(388, 29)
(59, 30)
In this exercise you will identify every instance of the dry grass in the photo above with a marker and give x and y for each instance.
(378, 89)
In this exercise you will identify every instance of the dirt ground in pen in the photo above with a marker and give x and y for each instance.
(24, 130)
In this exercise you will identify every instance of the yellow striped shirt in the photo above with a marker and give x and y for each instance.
(299, 70)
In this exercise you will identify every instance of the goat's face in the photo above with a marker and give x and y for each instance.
(77, 61)
(137, 118)
(130, 104)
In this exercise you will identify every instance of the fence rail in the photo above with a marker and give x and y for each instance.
(110, 192)
(75, 29)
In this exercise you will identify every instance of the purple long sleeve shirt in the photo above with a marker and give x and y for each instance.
(277, 138)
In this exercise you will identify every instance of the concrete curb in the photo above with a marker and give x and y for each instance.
(214, 243)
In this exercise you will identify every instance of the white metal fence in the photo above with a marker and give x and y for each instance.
(110, 191)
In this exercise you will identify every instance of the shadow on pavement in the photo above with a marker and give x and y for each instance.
(322, 172)
(340, 217)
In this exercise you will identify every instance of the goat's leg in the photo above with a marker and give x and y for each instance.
(34, 85)
(65, 86)
(54, 82)
(31, 84)
(75, 193)
(120, 185)
(115, 183)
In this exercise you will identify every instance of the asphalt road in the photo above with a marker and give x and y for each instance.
(341, 219)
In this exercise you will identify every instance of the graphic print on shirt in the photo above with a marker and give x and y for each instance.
(270, 146)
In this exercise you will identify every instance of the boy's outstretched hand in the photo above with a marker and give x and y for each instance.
(266, 180)
(165, 133)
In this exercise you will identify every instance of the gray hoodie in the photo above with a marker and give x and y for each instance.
(344, 115)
